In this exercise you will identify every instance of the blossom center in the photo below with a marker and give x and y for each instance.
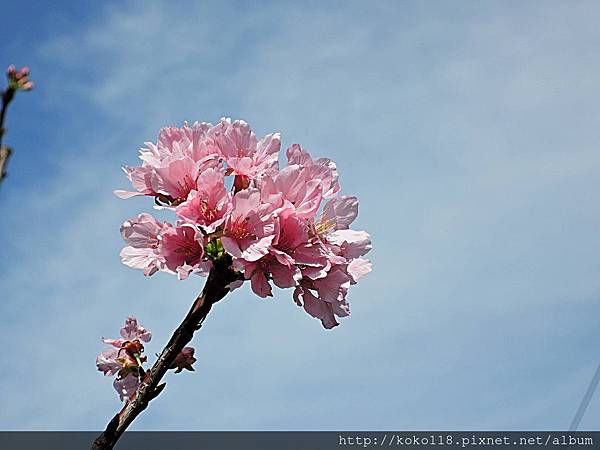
(185, 186)
(239, 230)
(209, 213)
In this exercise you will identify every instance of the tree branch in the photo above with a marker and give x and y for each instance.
(4, 156)
(214, 290)
(5, 152)
(18, 80)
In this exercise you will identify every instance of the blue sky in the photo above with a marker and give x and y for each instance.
(468, 131)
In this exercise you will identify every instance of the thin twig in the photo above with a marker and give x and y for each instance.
(214, 290)
(5, 152)
(7, 97)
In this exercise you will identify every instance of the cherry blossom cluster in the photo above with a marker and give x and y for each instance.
(125, 358)
(287, 226)
(18, 79)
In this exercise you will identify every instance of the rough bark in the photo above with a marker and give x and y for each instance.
(214, 290)
(5, 152)
(4, 156)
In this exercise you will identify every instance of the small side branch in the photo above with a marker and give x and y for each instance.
(221, 275)
(18, 80)
(5, 153)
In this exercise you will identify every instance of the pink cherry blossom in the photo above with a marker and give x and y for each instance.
(313, 260)
(142, 231)
(141, 180)
(330, 300)
(177, 178)
(170, 168)
(141, 234)
(144, 259)
(279, 264)
(322, 169)
(18, 79)
(294, 187)
(316, 307)
(332, 227)
(245, 157)
(132, 330)
(358, 268)
(184, 360)
(171, 182)
(323, 292)
(181, 248)
(279, 267)
(250, 228)
(350, 243)
(338, 213)
(175, 143)
(107, 362)
(210, 204)
(271, 224)
(124, 357)
(127, 386)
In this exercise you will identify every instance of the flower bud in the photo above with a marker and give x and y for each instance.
(184, 360)
(18, 79)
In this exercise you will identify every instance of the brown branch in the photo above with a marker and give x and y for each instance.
(214, 290)
(7, 97)
(4, 156)
(5, 152)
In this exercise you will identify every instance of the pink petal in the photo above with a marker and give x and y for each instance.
(358, 268)
(145, 259)
(285, 277)
(107, 362)
(320, 310)
(127, 386)
(353, 243)
(184, 360)
(260, 285)
(340, 212)
(131, 330)
(126, 194)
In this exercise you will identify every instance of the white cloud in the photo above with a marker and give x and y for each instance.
(467, 135)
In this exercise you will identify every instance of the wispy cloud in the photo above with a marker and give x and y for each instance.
(468, 133)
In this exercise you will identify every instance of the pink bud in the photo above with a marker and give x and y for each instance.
(18, 79)
(184, 360)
